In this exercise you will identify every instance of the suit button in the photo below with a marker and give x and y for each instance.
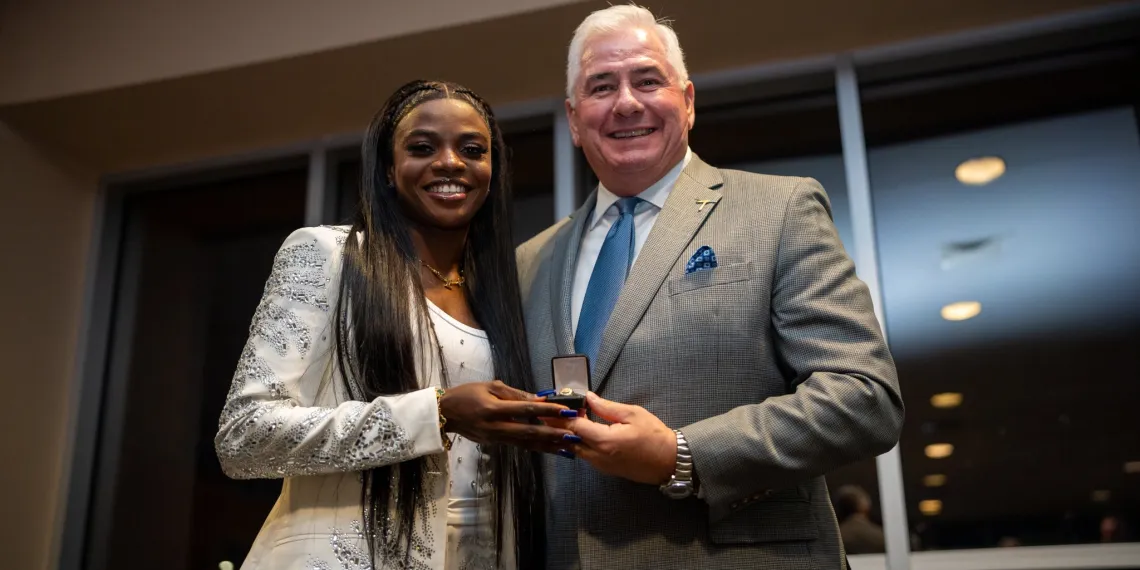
(768, 493)
(736, 505)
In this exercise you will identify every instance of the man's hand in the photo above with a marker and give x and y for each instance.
(635, 446)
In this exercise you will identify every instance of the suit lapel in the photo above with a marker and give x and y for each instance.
(565, 263)
(675, 227)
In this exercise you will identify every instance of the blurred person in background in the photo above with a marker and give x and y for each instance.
(853, 510)
(386, 376)
(1009, 542)
(1115, 529)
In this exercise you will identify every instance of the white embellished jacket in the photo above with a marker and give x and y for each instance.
(287, 416)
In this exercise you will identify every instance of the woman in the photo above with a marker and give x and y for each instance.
(366, 381)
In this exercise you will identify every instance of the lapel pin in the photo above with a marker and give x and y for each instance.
(704, 203)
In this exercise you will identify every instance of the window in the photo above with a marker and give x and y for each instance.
(531, 143)
(195, 259)
(1006, 197)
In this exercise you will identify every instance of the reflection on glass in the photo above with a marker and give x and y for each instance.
(980, 171)
(531, 142)
(961, 310)
(946, 400)
(1010, 256)
(934, 480)
(939, 450)
(930, 507)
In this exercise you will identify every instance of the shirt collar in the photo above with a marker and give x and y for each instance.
(655, 194)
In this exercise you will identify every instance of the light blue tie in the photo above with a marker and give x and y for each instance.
(606, 281)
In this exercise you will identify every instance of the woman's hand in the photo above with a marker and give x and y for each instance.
(492, 412)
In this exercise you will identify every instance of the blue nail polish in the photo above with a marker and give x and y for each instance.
(571, 438)
(565, 454)
(545, 393)
(568, 413)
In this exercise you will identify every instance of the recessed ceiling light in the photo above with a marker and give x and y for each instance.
(1132, 467)
(946, 400)
(980, 171)
(939, 450)
(1101, 496)
(936, 480)
(961, 310)
(930, 507)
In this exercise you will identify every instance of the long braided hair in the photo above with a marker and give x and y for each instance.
(379, 325)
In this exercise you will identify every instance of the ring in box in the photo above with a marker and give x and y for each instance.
(571, 376)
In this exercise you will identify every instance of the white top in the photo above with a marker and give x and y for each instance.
(603, 218)
(470, 541)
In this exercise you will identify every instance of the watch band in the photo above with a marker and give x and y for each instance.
(680, 485)
(684, 470)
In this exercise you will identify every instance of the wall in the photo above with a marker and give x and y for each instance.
(45, 229)
(520, 57)
(51, 48)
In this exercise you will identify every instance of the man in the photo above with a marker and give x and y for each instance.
(860, 534)
(717, 303)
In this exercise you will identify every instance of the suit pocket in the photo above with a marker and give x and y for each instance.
(717, 276)
(785, 517)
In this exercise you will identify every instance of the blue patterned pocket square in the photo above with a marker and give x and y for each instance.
(703, 260)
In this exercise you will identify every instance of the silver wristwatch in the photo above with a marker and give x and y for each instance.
(680, 485)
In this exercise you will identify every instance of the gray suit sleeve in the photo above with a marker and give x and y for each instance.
(844, 403)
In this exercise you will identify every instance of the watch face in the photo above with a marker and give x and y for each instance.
(678, 490)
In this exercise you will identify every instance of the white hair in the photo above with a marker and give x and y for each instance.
(617, 18)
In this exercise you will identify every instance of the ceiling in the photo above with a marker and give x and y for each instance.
(514, 58)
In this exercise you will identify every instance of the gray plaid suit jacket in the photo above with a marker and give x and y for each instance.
(772, 365)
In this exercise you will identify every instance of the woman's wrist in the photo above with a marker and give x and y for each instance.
(439, 394)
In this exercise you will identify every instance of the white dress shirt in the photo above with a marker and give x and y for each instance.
(603, 218)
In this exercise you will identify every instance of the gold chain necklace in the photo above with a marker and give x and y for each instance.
(447, 283)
